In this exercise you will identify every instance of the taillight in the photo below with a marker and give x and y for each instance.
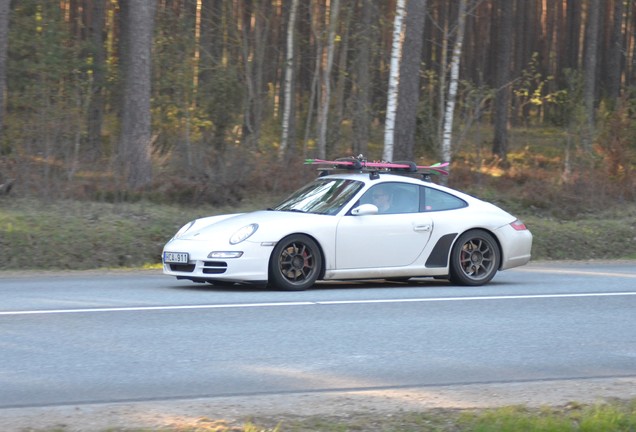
(518, 225)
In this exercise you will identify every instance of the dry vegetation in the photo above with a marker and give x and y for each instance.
(579, 205)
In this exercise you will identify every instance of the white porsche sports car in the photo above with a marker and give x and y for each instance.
(353, 225)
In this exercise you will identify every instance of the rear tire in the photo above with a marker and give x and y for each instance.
(295, 263)
(474, 259)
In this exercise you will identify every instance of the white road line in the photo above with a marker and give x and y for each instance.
(308, 303)
(153, 308)
(575, 272)
(481, 298)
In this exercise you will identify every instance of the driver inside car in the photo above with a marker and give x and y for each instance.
(382, 200)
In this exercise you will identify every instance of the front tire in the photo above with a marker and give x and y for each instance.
(474, 259)
(295, 263)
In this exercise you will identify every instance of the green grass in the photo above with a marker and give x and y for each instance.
(78, 235)
(608, 417)
(608, 234)
(592, 418)
(616, 416)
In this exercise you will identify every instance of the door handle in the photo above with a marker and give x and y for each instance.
(424, 228)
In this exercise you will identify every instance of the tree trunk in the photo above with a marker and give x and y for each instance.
(289, 70)
(502, 97)
(452, 86)
(631, 67)
(361, 122)
(590, 70)
(96, 103)
(615, 53)
(409, 91)
(325, 95)
(4, 37)
(250, 104)
(211, 37)
(443, 64)
(135, 138)
(394, 81)
(313, 88)
(573, 31)
(342, 78)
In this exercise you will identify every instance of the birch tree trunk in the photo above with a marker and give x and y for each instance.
(325, 94)
(443, 67)
(394, 81)
(289, 69)
(452, 86)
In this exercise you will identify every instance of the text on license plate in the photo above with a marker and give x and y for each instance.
(175, 257)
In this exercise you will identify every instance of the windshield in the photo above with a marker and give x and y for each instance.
(324, 196)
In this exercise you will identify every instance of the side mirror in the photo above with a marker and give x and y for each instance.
(365, 209)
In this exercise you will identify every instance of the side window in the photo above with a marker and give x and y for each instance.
(436, 200)
(393, 198)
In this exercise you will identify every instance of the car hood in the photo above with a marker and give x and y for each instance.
(272, 225)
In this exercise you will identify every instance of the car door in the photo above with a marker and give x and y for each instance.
(392, 239)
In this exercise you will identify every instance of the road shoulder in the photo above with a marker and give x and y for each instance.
(236, 411)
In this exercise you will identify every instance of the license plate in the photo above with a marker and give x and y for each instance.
(175, 257)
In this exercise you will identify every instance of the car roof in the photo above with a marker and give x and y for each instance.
(381, 178)
(387, 177)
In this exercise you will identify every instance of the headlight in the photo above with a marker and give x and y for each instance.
(243, 233)
(184, 228)
(225, 254)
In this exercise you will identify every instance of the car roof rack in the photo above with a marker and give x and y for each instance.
(375, 168)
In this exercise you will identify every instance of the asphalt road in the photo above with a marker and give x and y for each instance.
(100, 337)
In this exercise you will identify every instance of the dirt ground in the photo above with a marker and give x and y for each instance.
(235, 411)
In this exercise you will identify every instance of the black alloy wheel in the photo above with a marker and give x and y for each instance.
(475, 258)
(295, 263)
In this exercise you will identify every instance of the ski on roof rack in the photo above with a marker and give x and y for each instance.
(362, 165)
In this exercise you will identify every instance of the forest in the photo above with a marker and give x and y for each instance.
(212, 100)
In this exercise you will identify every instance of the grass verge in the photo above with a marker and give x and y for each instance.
(77, 235)
(614, 416)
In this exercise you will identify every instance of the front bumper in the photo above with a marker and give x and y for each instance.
(251, 267)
